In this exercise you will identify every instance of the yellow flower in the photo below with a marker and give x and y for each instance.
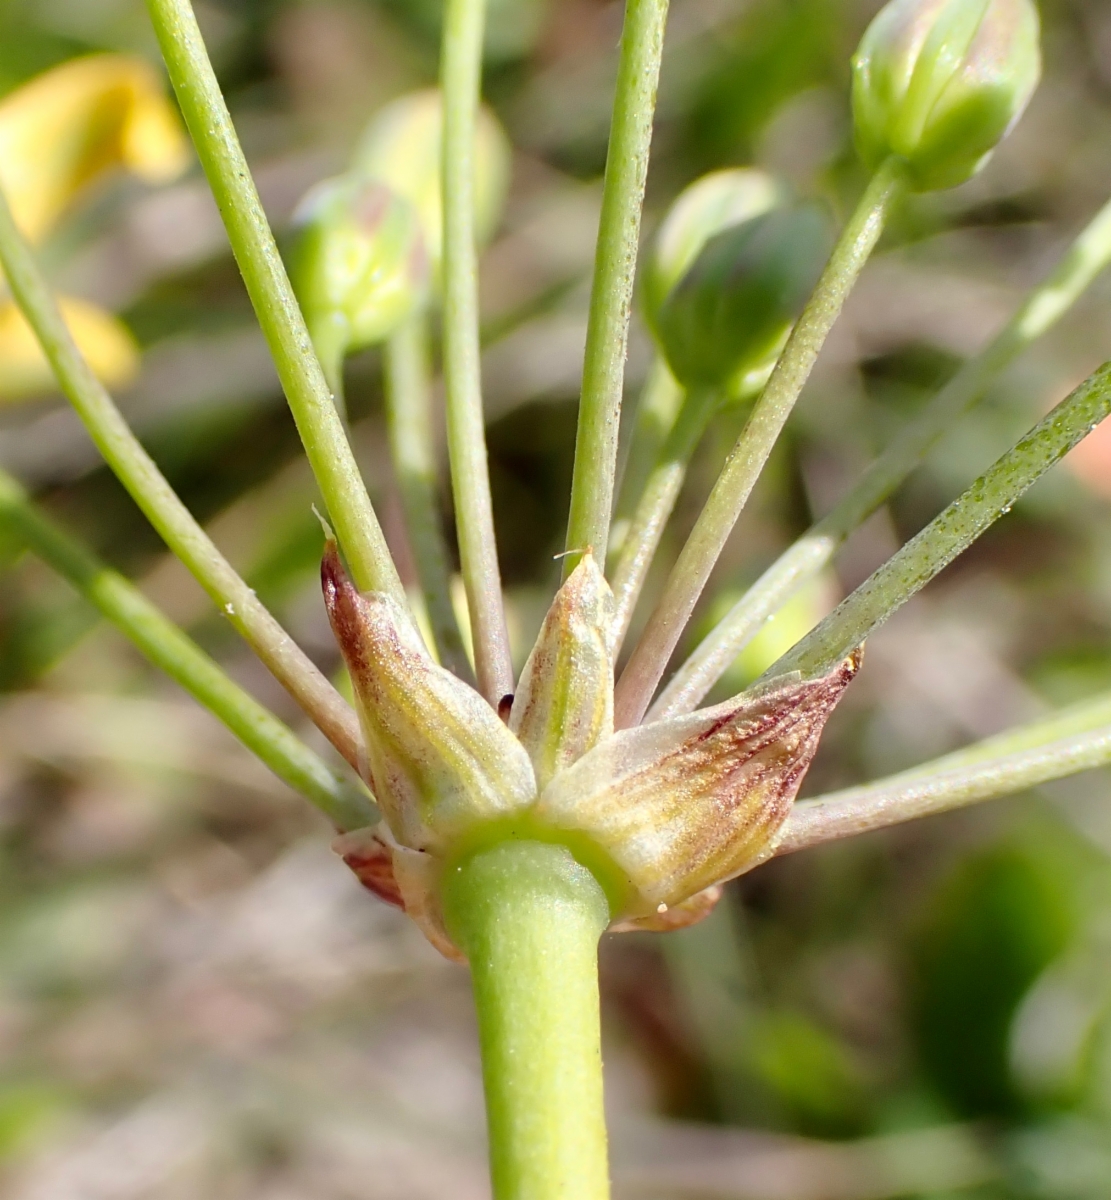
(78, 121)
(105, 342)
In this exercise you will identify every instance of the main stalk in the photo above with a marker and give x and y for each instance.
(528, 917)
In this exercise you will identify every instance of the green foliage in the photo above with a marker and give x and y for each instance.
(999, 919)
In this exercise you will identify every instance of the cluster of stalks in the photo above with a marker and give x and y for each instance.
(525, 894)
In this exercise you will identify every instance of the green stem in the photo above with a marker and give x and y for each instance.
(529, 917)
(310, 399)
(184, 661)
(952, 531)
(149, 489)
(657, 501)
(739, 475)
(939, 786)
(460, 76)
(1082, 717)
(656, 412)
(412, 447)
(330, 337)
(611, 293)
(1085, 258)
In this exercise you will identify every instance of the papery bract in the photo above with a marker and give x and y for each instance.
(439, 759)
(564, 701)
(681, 804)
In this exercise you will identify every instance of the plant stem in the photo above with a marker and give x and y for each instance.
(252, 242)
(611, 292)
(952, 531)
(802, 561)
(1082, 717)
(329, 338)
(743, 467)
(528, 917)
(937, 787)
(149, 489)
(412, 447)
(657, 501)
(460, 77)
(656, 412)
(184, 661)
(1085, 258)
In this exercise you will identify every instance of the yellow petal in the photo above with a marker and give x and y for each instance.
(682, 804)
(564, 701)
(78, 121)
(441, 761)
(102, 339)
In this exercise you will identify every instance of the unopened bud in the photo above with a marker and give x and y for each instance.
(731, 312)
(360, 267)
(402, 148)
(683, 804)
(440, 761)
(709, 205)
(938, 84)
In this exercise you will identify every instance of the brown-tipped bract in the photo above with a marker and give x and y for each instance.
(685, 803)
(438, 758)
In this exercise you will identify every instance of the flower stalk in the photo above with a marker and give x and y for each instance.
(939, 786)
(171, 650)
(409, 424)
(657, 501)
(953, 530)
(460, 72)
(611, 293)
(529, 918)
(1086, 257)
(148, 487)
(738, 477)
(252, 242)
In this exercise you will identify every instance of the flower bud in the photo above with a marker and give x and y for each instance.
(938, 83)
(709, 205)
(439, 760)
(402, 146)
(683, 804)
(564, 701)
(731, 312)
(360, 268)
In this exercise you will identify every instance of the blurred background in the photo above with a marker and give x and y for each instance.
(196, 999)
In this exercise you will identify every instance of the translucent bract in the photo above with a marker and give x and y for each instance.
(664, 812)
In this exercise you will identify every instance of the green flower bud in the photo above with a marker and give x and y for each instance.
(360, 268)
(705, 208)
(401, 147)
(731, 312)
(938, 83)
